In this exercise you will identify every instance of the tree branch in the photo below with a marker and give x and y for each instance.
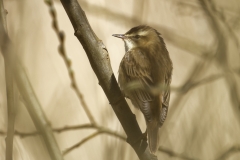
(99, 60)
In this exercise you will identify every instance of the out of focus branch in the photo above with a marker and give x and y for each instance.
(222, 60)
(217, 31)
(220, 56)
(229, 152)
(189, 86)
(62, 51)
(174, 154)
(9, 58)
(81, 142)
(227, 26)
(30, 98)
(89, 138)
(35, 110)
(99, 60)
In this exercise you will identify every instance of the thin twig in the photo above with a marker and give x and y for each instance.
(90, 137)
(62, 52)
(81, 142)
(71, 128)
(192, 85)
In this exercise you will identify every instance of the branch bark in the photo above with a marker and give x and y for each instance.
(100, 62)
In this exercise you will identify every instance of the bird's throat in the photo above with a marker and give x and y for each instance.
(128, 45)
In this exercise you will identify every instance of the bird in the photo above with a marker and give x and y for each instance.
(147, 62)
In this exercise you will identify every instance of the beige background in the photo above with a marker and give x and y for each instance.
(203, 124)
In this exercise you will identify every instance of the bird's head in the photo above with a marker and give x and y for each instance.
(140, 36)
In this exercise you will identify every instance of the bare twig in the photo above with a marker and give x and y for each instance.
(81, 142)
(62, 51)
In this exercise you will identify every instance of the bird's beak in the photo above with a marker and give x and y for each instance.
(122, 36)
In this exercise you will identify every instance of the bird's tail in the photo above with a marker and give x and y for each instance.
(152, 131)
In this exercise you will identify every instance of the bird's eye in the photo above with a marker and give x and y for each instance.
(137, 36)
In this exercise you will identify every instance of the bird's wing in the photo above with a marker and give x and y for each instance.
(166, 99)
(137, 68)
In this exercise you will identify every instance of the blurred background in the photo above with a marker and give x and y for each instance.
(202, 37)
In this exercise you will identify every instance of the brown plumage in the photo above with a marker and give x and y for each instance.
(146, 62)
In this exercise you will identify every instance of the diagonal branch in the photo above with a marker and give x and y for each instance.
(99, 60)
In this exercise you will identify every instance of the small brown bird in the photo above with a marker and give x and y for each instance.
(147, 62)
